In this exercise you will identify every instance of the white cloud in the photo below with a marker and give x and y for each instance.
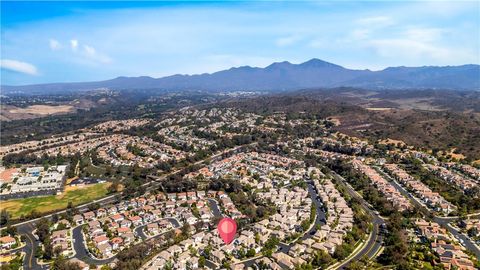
(89, 50)
(424, 34)
(413, 49)
(92, 54)
(418, 43)
(18, 66)
(83, 52)
(287, 41)
(54, 44)
(74, 44)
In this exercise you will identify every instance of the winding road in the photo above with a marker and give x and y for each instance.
(30, 261)
(26, 227)
(319, 220)
(443, 221)
(81, 250)
(374, 242)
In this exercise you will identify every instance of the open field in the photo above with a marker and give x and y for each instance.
(43, 109)
(10, 112)
(77, 195)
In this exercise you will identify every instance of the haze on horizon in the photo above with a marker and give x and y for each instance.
(91, 41)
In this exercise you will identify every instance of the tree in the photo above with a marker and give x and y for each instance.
(472, 232)
(356, 265)
(57, 251)
(61, 263)
(185, 229)
(342, 251)
(113, 187)
(10, 230)
(201, 261)
(321, 259)
(48, 252)
(43, 229)
(4, 217)
(250, 253)
(108, 170)
(54, 218)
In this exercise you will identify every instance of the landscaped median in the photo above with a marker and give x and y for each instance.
(359, 247)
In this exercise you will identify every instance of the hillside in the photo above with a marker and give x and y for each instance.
(437, 130)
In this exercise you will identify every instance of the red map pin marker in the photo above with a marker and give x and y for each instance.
(227, 228)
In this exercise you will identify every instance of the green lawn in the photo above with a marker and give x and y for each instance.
(77, 195)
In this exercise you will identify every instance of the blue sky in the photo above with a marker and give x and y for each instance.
(44, 42)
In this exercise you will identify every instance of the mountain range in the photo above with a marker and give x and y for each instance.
(281, 76)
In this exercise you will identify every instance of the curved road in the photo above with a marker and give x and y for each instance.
(81, 248)
(26, 227)
(139, 230)
(30, 261)
(319, 220)
(374, 243)
(443, 221)
(214, 207)
(84, 255)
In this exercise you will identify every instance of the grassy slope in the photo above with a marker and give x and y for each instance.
(77, 195)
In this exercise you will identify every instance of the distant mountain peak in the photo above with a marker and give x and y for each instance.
(280, 76)
(315, 62)
(279, 65)
(242, 68)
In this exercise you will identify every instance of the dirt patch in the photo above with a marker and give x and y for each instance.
(69, 180)
(10, 113)
(453, 154)
(43, 109)
(72, 188)
(378, 109)
(392, 141)
(334, 120)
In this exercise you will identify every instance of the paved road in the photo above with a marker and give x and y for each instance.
(30, 261)
(371, 248)
(139, 230)
(444, 221)
(26, 227)
(83, 254)
(81, 251)
(374, 243)
(320, 220)
(214, 207)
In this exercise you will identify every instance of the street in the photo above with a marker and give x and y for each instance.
(374, 243)
(26, 227)
(443, 221)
